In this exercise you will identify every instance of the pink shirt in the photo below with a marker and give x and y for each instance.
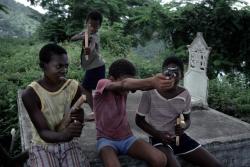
(110, 113)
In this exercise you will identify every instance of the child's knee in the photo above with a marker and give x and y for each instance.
(159, 160)
(217, 164)
(163, 160)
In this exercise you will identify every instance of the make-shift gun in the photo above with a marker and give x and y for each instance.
(86, 41)
(180, 121)
(66, 119)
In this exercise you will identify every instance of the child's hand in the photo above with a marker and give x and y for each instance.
(179, 130)
(87, 51)
(166, 137)
(77, 114)
(163, 83)
(64, 122)
(73, 130)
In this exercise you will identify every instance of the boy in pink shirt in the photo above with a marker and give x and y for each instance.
(114, 136)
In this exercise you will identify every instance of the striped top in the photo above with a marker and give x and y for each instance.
(161, 113)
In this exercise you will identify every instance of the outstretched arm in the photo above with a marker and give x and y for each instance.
(77, 37)
(33, 106)
(130, 84)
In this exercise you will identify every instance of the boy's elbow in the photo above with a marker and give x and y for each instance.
(72, 39)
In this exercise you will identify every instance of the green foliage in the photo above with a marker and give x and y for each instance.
(150, 20)
(3, 8)
(66, 17)
(126, 23)
(19, 21)
(53, 29)
(75, 69)
(113, 40)
(19, 67)
(16, 72)
(224, 27)
(146, 67)
(230, 95)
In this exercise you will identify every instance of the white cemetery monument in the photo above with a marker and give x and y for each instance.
(195, 79)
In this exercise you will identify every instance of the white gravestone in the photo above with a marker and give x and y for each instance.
(195, 79)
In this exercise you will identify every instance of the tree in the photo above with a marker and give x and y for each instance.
(225, 28)
(53, 29)
(74, 12)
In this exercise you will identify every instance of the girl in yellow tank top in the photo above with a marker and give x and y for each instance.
(46, 101)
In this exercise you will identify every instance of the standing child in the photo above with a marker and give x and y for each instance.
(46, 102)
(161, 107)
(93, 63)
(114, 135)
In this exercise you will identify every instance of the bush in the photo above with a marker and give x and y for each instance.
(227, 95)
(113, 40)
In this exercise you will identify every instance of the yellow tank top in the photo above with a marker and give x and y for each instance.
(53, 104)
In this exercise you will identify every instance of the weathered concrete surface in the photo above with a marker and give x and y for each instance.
(224, 136)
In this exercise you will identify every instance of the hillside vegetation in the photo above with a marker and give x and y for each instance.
(20, 21)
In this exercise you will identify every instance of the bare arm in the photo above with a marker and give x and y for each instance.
(77, 37)
(130, 84)
(76, 114)
(33, 106)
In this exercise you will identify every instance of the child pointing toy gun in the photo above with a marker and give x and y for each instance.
(162, 113)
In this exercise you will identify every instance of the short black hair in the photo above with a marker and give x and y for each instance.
(94, 15)
(48, 50)
(122, 67)
(175, 60)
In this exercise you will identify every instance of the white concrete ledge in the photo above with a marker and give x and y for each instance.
(226, 137)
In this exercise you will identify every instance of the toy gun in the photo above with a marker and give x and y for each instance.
(171, 72)
(13, 138)
(180, 121)
(66, 118)
(86, 41)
